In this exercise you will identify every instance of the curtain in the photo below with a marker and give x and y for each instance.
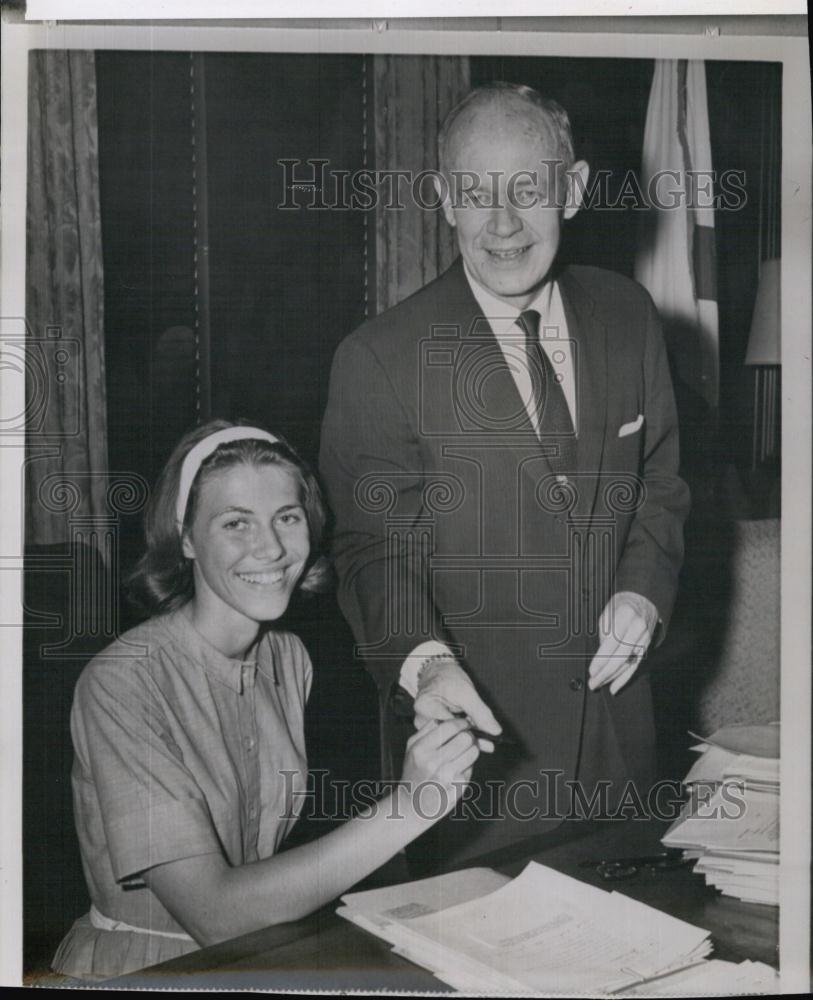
(411, 97)
(767, 377)
(66, 470)
(676, 260)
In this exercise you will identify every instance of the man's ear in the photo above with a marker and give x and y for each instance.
(577, 177)
(444, 193)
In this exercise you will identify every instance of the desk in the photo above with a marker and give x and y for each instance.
(325, 952)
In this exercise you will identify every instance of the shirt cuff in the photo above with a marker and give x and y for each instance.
(408, 678)
(657, 629)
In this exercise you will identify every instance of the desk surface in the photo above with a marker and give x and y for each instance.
(325, 952)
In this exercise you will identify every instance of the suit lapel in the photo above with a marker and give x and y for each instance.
(484, 375)
(589, 335)
(490, 375)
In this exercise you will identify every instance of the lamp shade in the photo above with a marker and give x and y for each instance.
(764, 341)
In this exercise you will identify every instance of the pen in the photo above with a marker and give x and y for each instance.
(479, 734)
(402, 705)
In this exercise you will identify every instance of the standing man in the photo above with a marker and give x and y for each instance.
(501, 454)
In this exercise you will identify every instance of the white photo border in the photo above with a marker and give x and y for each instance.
(18, 38)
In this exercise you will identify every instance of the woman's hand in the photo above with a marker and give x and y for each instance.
(438, 765)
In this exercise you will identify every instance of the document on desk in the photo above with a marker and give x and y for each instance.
(755, 878)
(716, 764)
(731, 827)
(729, 822)
(756, 772)
(713, 978)
(711, 765)
(547, 931)
(381, 911)
(427, 895)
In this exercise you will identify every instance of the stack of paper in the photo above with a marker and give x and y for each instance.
(543, 931)
(731, 822)
(382, 911)
(713, 978)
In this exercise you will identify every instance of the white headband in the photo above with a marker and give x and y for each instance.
(202, 450)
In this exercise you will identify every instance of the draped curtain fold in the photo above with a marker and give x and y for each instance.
(412, 95)
(66, 471)
(676, 260)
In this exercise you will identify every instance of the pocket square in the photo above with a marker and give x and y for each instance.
(632, 427)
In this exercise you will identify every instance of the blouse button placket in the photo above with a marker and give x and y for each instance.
(248, 727)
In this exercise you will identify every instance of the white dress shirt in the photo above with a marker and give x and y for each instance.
(502, 318)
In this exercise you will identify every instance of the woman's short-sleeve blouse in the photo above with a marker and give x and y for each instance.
(178, 751)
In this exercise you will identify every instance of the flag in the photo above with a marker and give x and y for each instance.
(676, 258)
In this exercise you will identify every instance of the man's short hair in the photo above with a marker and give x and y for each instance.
(492, 93)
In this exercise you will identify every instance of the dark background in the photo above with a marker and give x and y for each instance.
(286, 285)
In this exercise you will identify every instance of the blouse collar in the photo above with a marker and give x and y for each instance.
(222, 668)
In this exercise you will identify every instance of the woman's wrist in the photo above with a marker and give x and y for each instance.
(421, 804)
(403, 803)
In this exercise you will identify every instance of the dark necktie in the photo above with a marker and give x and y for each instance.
(553, 415)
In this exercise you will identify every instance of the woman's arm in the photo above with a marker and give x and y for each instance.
(213, 901)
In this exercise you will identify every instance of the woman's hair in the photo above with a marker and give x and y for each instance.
(163, 577)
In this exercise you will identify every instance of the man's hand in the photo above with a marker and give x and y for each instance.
(626, 627)
(444, 690)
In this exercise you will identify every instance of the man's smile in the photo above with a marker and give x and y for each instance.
(511, 254)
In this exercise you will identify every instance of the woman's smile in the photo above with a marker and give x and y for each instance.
(263, 578)
(250, 543)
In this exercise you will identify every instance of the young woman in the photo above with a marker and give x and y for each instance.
(188, 730)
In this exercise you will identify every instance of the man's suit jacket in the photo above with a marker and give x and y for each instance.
(454, 522)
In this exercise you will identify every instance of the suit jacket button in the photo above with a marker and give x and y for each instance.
(575, 683)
